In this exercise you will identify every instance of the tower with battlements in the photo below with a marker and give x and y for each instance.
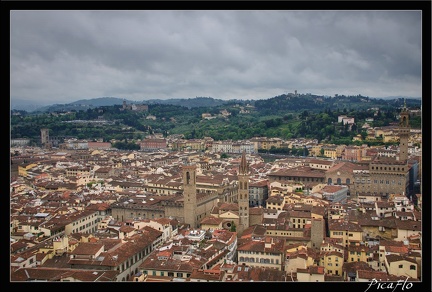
(243, 195)
(404, 132)
(190, 195)
(45, 140)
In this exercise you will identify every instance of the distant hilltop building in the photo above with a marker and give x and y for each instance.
(345, 120)
(135, 107)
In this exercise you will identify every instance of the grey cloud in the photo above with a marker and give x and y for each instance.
(60, 56)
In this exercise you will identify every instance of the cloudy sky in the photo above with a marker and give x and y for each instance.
(63, 56)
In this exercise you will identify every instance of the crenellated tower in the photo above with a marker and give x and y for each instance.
(243, 195)
(404, 132)
(190, 195)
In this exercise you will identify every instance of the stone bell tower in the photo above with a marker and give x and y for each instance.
(190, 195)
(404, 132)
(243, 195)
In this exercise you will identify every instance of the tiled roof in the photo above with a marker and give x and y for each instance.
(397, 249)
(312, 270)
(53, 275)
(87, 248)
(211, 221)
(343, 167)
(256, 274)
(300, 171)
(256, 211)
(345, 226)
(409, 225)
(350, 267)
(397, 258)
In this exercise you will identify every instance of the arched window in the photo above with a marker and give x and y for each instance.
(329, 181)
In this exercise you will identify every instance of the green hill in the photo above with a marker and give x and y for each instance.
(285, 116)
